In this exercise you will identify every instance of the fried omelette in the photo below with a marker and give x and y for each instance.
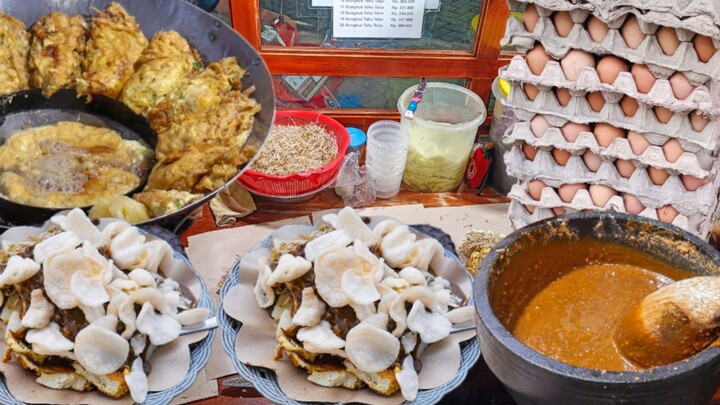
(164, 66)
(57, 48)
(161, 202)
(203, 92)
(116, 43)
(15, 45)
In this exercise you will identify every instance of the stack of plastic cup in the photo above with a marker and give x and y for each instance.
(386, 154)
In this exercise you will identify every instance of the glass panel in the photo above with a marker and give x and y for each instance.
(344, 92)
(447, 25)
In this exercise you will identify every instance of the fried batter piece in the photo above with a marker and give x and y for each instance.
(14, 48)
(164, 67)
(200, 170)
(203, 92)
(161, 202)
(116, 43)
(228, 124)
(57, 49)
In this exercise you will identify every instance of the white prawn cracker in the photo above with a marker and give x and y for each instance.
(370, 348)
(101, 351)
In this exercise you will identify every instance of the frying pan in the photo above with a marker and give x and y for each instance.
(210, 36)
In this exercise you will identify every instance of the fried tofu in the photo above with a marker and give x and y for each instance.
(14, 49)
(57, 48)
(116, 43)
(164, 67)
(202, 92)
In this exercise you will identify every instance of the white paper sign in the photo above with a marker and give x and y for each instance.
(321, 3)
(378, 18)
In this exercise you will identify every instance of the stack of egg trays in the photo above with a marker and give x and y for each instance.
(693, 207)
(687, 23)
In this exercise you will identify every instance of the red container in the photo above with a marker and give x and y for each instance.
(299, 183)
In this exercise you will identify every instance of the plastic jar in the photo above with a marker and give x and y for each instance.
(441, 135)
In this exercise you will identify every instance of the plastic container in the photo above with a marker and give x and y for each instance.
(387, 146)
(441, 135)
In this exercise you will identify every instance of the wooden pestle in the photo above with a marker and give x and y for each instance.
(672, 323)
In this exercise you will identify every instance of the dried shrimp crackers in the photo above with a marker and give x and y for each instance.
(357, 306)
(86, 306)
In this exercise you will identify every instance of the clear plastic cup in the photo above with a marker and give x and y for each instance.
(386, 155)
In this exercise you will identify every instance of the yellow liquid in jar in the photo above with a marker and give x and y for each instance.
(436, 159)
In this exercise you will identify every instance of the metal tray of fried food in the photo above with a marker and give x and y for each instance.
(211, 37)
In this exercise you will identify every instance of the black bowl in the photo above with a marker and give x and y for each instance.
(532, 378)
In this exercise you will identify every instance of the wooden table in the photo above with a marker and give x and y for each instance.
(480, 386)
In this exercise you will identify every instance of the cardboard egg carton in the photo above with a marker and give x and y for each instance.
(673, 192)
(699, 16)
(520, 217)
(704, 99)
(696, 163)
(578, 110)
(685, 58)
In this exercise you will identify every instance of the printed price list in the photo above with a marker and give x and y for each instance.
(378, 18)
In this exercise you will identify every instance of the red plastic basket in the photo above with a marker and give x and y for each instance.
(299, 183)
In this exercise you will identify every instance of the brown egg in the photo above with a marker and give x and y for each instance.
(629, 106)
(681, 86)
(538, 126)
(658, 176)
(606, 133)
(531, 91)
(567, 191)
(529, 151)
(559, 211)
(697, 121)
(563, 23)
(631, 32)
(597, 29)
(644, 78)
(609, 67)
(663, 114)
(537, 59)
(596, 101)
(632, 204)
(530, 208)
(563, 96)
(672, 150)
(704, 47)
(692, 183)
(668, 40)
(592, 161)
(530, 17)
(625, 167)
(600, 195)
(638, 142)
(667, 214)
(571, 130)
(574, 62)
(561, 156)
(535, 188)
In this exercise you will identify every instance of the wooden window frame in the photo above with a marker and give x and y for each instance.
(478, 67)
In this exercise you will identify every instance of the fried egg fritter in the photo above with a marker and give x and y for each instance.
(164, 67)
(57, 48)
(116, 43)
(14, 48)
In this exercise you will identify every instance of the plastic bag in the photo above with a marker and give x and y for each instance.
(354, 182)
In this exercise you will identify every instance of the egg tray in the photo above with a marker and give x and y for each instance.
(694, 161)
(673, 192)
(644, 121)
(699, 16)
(704, 99)
(685, 58)
(520, 217)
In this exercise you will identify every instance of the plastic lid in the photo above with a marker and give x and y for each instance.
(357, 137)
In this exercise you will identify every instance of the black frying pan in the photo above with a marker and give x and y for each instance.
(210, 36)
